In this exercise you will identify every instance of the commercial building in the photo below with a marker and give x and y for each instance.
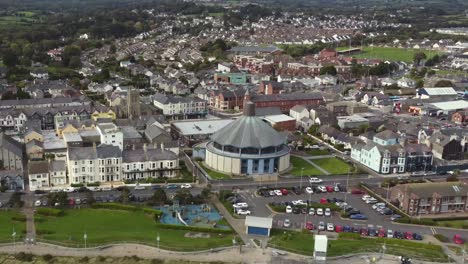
(192, 132)
(247, 146)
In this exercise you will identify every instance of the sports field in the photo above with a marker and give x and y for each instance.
(388, 53)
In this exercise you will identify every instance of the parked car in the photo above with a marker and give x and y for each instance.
(390, 233)
(330, 227)
(272, 193)
(186, 186)
(311, 211)
(78, 201)
(296, 210)
(315, 180)
(299, 202)
(338, 229)
(336, 188)
(322, 188)
(358, 217)
(278, 193)
(378, 205)
(296, 190)
(354, 212)
(323, 201)
(284, 192)
(327, 212)
(38, 203)
(372, 232)
(287, 223)
(409, 235)
(365, 197)
(309, 226)
(347, 229)
(303, 210)
(172, 187)
(382, 233)
(319, 211)
(329, 188)
(139, 187)
(386, 211)
(240, 205)
(364, 232)
(395, 217)
(69, 189)
(243, 212)
(417, 236)
(288, 209)
(357, 191)
(321, 226)
(371, 200)
(309, 190)
(457, 239)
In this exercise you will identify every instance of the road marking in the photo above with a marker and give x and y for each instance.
(433, 230)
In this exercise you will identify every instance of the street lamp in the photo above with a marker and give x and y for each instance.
(85, 237)
(302, 172)
(157, 240)
(14, 239)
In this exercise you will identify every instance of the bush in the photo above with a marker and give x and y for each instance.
(27, 257)
(48, 258)
(442, 238)
(77, 185)
(49, 212)
(424, 221)
(44, 232)
(93, 184)
(84, 259)
(194, 228)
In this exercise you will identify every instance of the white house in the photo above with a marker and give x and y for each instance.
(58, 172)
(38, 175)
(298, 112)
(149, 163)
(180, 106)
(110, 134)
(406, 83)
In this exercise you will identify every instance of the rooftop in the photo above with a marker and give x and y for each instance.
(201, 127)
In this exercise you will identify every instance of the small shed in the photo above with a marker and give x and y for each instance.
(258, 225)
(320, 248)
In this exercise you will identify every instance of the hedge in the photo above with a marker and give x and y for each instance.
(76, 185)
(350, 236)
(19, 217)
(115, 206)
(93, 184)
(49, 211)
(195, 228)
(423, 221)
(442, 238)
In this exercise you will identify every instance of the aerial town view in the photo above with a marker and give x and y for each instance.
(233, 131)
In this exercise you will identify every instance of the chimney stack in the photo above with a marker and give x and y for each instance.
(145, 147)
(162, 145)
(94, 147)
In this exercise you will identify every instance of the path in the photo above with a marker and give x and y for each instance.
(28, 210)
(237, 224)
(319, 157)
(317, 167)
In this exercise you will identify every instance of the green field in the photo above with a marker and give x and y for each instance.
(219, 14)
(299, 163)
(104, 226)
(7, 225)
(214, 174)
(391, 54)
(333, 165)
(452, 72)
(303, 243)
(318, 152)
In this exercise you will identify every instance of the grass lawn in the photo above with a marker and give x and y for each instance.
(219, 14)
(333, 165)
(303, 243)
(299, 163)
(317, 152)
(8, 225)
(214, 174)
(389, 53)
(452, 72)
(110, 226)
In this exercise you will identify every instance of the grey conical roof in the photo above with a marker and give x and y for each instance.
(248, 131)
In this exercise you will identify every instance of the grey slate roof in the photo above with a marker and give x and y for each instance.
(154, 131)
(286, 97)
(37, 167)
(248, 131)
(57, 165)
(140, 155)
(102, 152)
(11, 145)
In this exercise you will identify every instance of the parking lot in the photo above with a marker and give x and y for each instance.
(258, 207)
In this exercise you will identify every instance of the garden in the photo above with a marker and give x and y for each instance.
(12, 221)
(299, 163)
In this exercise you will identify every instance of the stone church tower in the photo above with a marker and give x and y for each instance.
(133, 104)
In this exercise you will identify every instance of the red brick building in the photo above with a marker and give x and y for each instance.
(227, 99)
(270, 87)
(327, 53)
(460, 117)
(285, 101)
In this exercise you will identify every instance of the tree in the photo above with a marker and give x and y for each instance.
(205, 193)
(75, 62)
(443, 83)
(159, 197)
(61, 198)
(184, 196)
(90, 198)
(125, 196)
(10, 59)
(329, 69)
(69, 52)
(418, 57)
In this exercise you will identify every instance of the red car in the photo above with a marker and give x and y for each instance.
(329, 188)
(71, 201)
(357, 191)
(457, 239)
(409, 235)
(382, 233)
(323, 201)
(364, 232)
(284, 191)
(309, 226)
(338, 229)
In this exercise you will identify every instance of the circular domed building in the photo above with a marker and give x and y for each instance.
(247, 146)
